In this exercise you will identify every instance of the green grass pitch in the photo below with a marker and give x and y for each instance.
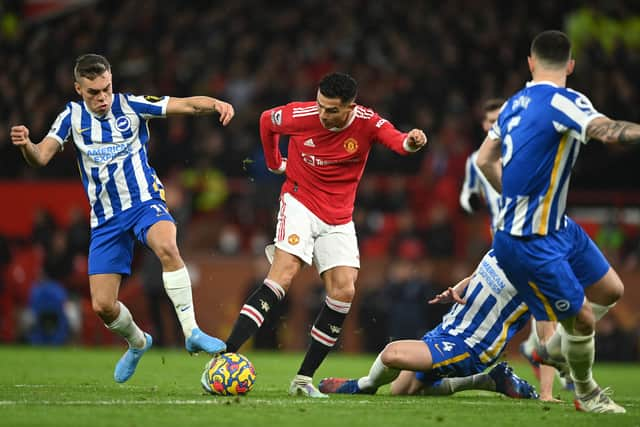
(74, 387)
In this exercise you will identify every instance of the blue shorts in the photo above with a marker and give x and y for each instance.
(550, 272)
(111, 248)
(451, 357)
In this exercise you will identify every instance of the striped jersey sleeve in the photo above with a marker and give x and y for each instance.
(61, 128)
(147, 106)
(572, 112)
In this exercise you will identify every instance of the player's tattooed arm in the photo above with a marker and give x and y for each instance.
(607, 130)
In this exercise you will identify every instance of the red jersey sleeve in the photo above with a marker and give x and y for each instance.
(386, 133)
(273, 123)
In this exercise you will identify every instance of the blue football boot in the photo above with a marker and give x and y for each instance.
(342, 386)
(509, 384)
(126, 366)
(199, 341)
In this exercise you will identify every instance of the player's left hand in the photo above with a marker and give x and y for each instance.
(447, 296)
(416, 139)
(225, 110)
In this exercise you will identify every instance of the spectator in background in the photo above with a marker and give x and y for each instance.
(406, 294)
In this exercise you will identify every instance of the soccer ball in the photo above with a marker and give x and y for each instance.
(228, 374)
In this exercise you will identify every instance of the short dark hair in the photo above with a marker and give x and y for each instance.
(492, 104)
(90, 66)
(552, 47)
(339, 85)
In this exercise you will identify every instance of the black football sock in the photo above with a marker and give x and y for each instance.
(324, 334)
(253, 313)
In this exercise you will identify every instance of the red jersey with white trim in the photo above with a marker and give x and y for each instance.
(324, 166)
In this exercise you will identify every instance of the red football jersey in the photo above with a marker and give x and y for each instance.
(324, 166)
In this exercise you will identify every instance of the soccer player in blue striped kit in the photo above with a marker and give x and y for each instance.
(111, 132)
(528, 156)
(453, 356)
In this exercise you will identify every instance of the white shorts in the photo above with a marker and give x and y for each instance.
(301, 233)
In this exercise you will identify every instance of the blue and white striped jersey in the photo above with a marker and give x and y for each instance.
(541, 128)
(112, 152)
(476, 183)
(492, 314)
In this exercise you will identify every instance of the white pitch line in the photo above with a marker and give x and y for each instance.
(243, 401)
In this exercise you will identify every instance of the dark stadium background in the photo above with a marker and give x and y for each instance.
(418, 63)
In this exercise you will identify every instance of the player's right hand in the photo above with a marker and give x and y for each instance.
(282, 169)
(447, 296)
(225, 110)
(19, 135)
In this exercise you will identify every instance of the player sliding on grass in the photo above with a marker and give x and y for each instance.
(329, 142)
(111, 133)
(451, 358)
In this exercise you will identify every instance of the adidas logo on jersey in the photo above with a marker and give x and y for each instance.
(309, 143)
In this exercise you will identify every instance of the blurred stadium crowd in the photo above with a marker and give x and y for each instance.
(418, 63)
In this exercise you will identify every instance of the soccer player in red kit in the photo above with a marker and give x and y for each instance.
(329, 142)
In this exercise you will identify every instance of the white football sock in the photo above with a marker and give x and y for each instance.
(532, 340)
(554, 344)
(448, 386)
(600, 310)
(178, 287)
(127, 328)
(379, 375)
(579, 351)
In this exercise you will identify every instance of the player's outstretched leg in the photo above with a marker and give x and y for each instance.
(342, 386)
(126, 366)
(255, 310)
(509, 384)
(199, 341)
(177, 284)
(302, 385)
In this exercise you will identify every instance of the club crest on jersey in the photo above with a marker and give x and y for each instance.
(293, 239)
(350, 145)
(152, 98)
(123, 123)
(562, 305)
(276, 117)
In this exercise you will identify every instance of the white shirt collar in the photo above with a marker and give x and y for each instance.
(541, 82)
(351, 119)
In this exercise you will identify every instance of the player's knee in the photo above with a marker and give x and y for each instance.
(585, 321)
(606, 291)
(341, 285)
(105, 309)
(344, 292)
(283, 276)
(390, 356)
(614, 292)
(168, 253)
